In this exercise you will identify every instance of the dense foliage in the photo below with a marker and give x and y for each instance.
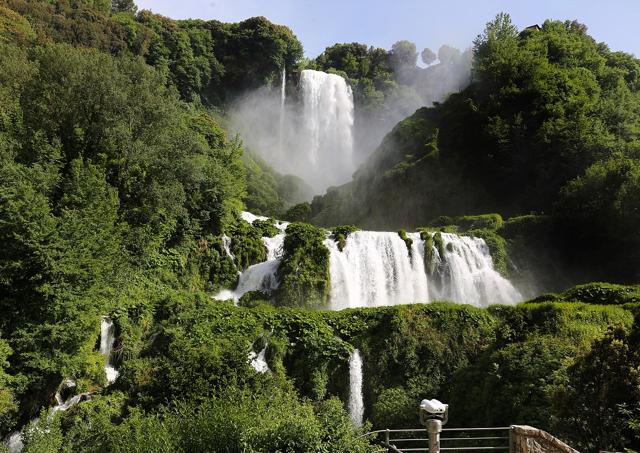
(207, 60)
(304, 270)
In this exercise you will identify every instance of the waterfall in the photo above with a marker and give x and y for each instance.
(327, 123)
(258, 361)
(356, 401)
(465, 274)
(13, 442)
(283, 99)
(107, 339)
(226, 245)
(261, 276)
(376, 269)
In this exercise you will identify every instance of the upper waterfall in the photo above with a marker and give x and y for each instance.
(327, 128)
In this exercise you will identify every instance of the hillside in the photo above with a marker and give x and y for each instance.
(144, 309)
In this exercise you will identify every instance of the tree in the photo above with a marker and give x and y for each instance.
(448, 54)
(600, 407)
(123, 6)
(403, 55)
(428, 56)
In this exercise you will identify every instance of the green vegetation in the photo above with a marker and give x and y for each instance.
(247, 245)
(340, 234)
(205, 60)
(298, 213)
(267, 227)
(407, 240)
(304, 269)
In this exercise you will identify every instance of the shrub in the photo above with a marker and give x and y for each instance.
(304, 269)
(340, 234)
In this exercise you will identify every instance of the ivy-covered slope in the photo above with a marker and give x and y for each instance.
(494, 366)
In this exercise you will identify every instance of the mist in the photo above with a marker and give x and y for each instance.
(321, 127)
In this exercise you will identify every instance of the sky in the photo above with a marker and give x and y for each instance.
(322, 23)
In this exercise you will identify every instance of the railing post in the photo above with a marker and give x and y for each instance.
(435, 428)
(386, 439)
(512, 440)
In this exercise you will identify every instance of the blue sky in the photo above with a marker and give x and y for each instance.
(321, 23)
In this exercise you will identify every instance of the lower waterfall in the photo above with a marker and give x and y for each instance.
(379, 268)
(107, 340)
(465, 274)
(356, 400)
(376, 269)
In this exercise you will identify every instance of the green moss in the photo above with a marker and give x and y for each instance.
(247, 245)
(429, 256)
(210, 268)
(266, 227)
(407, 240)
(304, 269)
(340, 233)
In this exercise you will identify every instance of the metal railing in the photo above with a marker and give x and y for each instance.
(461, 440)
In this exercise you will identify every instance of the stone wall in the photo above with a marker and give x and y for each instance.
(531, 440)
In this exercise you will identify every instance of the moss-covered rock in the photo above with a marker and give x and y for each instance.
(407, 240)
(266, 227)
(304, 268)
(340, 233)
(247, 245)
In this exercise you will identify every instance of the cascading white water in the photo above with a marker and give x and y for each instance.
(283, 100)
(261, 276)
(376, 269)
(226, 245)
(356, 400)
(466, 274)
(107, 340)
(14, 442)
(327, 124)
(258, 361)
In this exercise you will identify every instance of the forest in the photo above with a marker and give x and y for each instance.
(122, 191)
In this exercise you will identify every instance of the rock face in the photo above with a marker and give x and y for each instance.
(527, 439)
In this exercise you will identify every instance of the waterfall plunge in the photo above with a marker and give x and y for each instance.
(327, 123)
(356, 401)
(261, 276)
